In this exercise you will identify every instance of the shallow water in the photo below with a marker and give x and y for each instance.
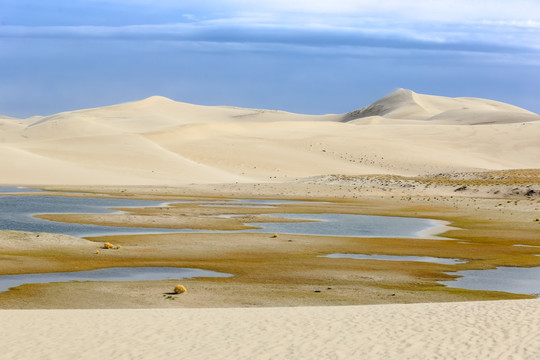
(351, 225)
(109, 274)
(508, 279)
(16, 213)
(17, 189)
(246, 205)
(445, 261)
(265, 202)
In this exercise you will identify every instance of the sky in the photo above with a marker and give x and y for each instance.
(312, 57)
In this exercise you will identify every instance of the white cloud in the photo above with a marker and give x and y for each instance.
(434, 10)
(488, 37)
(350, 25)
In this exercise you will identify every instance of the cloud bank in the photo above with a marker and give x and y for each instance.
(459, 25)
(505, 38)
(302, 56)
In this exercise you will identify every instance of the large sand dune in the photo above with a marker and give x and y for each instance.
(163, 142)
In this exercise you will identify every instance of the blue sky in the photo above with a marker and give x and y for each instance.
(302, 56)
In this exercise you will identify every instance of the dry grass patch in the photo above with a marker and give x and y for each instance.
(179, 289)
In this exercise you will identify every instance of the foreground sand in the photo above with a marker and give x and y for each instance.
(470, 330)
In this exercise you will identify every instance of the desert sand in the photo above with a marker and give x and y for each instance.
(158, 141)
(470, 162)
(473, 330)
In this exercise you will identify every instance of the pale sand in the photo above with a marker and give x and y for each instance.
(161, 142)
(472, 330)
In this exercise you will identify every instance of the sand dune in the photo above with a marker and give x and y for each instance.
(481, 330)
(9, 125)
(153, 114)
(408, 105)
(160, 141)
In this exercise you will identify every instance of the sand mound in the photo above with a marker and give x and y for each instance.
(164, 142)
(29, 241)
(408, 105)
(156, 113)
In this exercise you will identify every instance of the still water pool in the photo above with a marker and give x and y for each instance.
(508, 279)
(16, 213)
(17, 189)
(429, 259)
(108, 274)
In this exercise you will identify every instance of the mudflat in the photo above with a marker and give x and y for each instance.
(282, 270)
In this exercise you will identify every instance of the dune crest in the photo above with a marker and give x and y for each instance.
(163, 142)
(405, 104)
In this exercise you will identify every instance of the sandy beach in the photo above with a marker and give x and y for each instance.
(471, 164)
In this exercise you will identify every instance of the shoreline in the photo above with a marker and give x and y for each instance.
(260, 221)
(282, 271)
(433, 232)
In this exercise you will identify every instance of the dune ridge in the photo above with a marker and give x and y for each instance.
(408, 105)
(164, 142)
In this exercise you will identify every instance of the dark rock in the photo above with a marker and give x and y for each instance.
(530, 193)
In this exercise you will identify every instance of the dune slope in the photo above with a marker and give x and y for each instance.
(475, 330)
(163, 142)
